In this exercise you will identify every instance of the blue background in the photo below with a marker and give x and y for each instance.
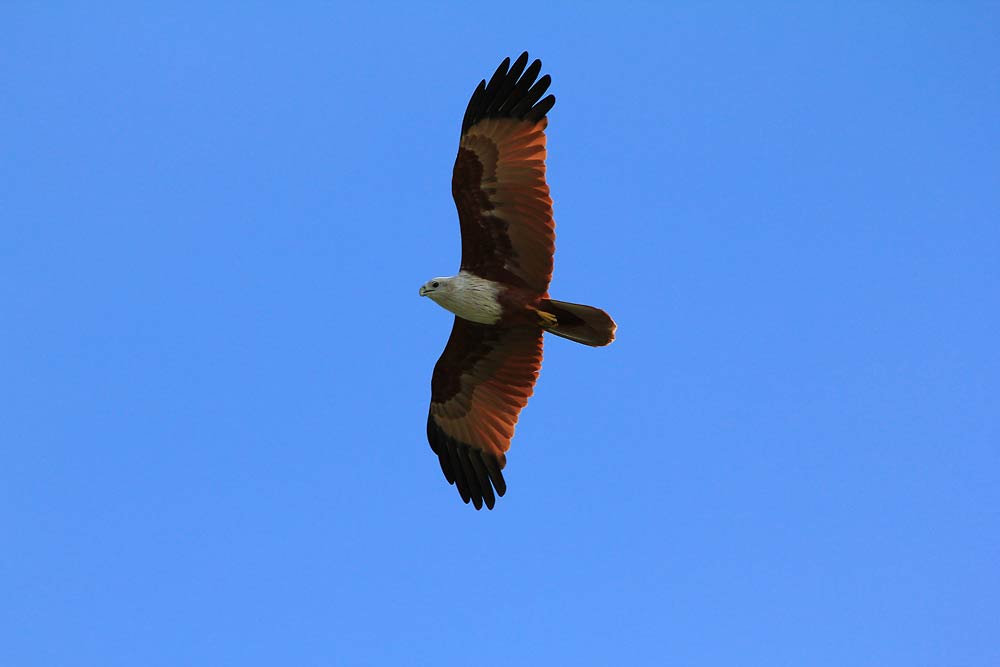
(215, 365)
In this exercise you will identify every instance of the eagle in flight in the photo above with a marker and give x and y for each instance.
(500, 296)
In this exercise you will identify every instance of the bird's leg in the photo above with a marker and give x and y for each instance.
(546, 319)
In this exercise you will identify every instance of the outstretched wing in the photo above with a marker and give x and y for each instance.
(498, 183)
(480, 383)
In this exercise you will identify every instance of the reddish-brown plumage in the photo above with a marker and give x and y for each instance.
(488, 371)
(503, 203)
(520, 306)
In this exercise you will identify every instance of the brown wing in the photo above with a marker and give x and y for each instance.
(480, 383)
(498, 183)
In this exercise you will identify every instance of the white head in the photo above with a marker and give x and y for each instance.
(437, 288)
(467, 295)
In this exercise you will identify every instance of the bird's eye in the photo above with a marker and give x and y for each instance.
(434, 284)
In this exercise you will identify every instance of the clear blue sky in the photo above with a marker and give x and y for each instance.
(216, 368)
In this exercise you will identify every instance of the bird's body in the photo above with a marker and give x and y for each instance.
(500, 295)
(485, 301)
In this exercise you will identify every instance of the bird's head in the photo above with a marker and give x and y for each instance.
(435, 288)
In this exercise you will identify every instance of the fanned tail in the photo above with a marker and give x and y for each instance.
(583, 324)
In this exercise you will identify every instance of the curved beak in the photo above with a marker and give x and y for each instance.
(423, 291)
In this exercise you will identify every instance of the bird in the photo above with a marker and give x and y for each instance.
(500, 295)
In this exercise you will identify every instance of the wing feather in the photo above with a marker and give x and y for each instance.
(480, 384)
(503, 202)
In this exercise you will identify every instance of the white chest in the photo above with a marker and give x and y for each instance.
(471, 298)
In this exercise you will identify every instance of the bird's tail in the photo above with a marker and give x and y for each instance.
(583, 324)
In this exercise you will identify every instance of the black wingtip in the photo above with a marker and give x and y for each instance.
(475, 473)
(512, 92)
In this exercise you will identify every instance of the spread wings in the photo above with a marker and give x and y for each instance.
(480, 384)
(498, 182)
(486, 373)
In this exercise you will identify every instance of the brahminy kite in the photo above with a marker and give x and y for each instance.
(500, 295)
